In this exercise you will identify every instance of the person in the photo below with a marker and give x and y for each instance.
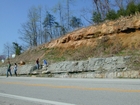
(9, 68)
(37, 63)
(15, 69)
(45, 62)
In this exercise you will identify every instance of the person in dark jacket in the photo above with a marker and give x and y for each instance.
(37, 63)
(9, 69)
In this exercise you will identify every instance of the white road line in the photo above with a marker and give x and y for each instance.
(33, 99)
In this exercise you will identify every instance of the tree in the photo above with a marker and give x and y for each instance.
(57, 29)
(68, 3)
(96, 18)
(59, 8)
(121, 12)
(49, 23)
(17, 48)
(7, 50)
(75, 22)
(111, 15)
(96, 4)
(131, 8)
(102, 7)
(138, 7)
(68, 12)
(30, 29)
(119, 4)
(40, 39)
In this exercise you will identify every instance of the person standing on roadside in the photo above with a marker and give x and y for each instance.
(9, 68)
(15, 69)
(37, 63)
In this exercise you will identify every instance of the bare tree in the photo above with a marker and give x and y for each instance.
(68, 3)
(119, 3)
(102, 7)
(30, 29)
(68, 12)
(7, 50)
(96, 4)
(87, 12)
(33, 19)
(60, 9)
(40, 25)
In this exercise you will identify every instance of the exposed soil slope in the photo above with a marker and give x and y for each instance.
(111, 36)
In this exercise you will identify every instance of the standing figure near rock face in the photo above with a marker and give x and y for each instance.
(37, 63)
(15, 69)
(44, 63)
(9, 68)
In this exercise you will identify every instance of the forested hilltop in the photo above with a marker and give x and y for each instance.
(113, 30)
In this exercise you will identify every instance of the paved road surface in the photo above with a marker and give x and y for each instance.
(62, 91)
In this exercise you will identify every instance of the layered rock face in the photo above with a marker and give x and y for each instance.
(126, 29)
(112, 67)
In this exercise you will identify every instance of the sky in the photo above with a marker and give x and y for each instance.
(13, 13)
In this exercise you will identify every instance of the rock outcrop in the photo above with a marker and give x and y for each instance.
(87, 36)
(112, 67)
(92, 64)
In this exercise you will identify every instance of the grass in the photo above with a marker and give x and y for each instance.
(81, 53)
(120, 44)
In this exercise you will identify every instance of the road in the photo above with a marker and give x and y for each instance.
(64, 91)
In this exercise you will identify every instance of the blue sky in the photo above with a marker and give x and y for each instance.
(13, 13)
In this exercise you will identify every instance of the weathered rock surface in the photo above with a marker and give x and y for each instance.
(89, 35)
(93, 64)
(112, 67)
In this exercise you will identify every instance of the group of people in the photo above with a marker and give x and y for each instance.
(9, 69)
(15, 66)
(37, 63)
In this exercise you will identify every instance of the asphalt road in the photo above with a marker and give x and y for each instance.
(64, 91)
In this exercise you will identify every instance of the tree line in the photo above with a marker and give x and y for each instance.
(125, 8)
(43, 25)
